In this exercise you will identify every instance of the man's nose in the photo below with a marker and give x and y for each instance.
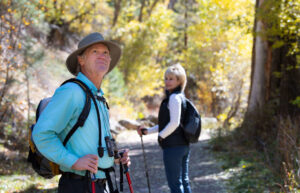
(103, 56)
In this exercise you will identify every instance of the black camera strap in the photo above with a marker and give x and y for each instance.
(102, 99)
(100, 148)
(101, 151)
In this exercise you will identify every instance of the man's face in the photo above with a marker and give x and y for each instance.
(95, 60)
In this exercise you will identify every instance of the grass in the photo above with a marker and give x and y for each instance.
(27, 184)
(247, 168)
(17, 176)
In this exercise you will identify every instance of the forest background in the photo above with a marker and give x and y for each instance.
(237, 55)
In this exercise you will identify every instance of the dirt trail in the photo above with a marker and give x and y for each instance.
(205, 173)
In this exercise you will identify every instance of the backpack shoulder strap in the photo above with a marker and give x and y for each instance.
(183, 108)
(183, 101)
(42, 105)
(86, 109)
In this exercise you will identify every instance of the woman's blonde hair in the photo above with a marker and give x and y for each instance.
(179, 72)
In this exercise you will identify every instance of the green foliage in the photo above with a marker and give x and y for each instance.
(216, 55)
(248, 170)
(76, 15)
(16, 18)
(220, 45)
(17, 176)
(296, 101)
(114, 84)
(282, 20)
(145, 43)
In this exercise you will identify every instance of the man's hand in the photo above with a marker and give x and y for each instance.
(88, 162)
(142, 130)
(125, 159)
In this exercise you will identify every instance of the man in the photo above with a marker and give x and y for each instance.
(93, 59)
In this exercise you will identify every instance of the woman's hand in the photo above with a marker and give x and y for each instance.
(142, 130)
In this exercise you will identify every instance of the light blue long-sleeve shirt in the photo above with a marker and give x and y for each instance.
(60, 116)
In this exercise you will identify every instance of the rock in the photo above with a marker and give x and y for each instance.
(149, 121)
(146, 123)
(114, 125)
(153, 119)
(114, 133)
(129, 124)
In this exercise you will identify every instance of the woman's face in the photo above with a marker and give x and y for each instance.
(171, 82)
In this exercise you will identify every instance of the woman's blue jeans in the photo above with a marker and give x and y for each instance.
(176, 160)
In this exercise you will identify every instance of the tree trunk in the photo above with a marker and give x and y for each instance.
(258, 86)
(275, 77)
(185, 25)
(171, 4)
(290, 83)
(117, 5)
(141, 10)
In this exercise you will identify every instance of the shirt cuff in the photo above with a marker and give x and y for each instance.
(152, 129)
(69, 161)
(160, 135)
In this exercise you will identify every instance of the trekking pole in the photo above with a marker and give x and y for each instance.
(93, 179)
(145, 163)
(126, 172)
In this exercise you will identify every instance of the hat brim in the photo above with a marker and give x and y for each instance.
(114, 51)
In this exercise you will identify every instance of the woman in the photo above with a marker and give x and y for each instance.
(175, 147)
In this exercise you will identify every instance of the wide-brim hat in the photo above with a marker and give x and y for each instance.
(91, 39)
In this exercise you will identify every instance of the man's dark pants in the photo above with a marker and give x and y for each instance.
(69, 184)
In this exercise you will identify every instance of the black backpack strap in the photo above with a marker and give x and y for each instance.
(37, 112)
(183, 109)
(84, 113)
(183, 101)
(108, 178)
(42, 104)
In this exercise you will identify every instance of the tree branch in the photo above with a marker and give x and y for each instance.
(141, 11)
(152, 7)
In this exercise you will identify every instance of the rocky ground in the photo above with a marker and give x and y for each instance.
(205, 173)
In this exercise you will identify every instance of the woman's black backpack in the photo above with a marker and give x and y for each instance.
(191, 123)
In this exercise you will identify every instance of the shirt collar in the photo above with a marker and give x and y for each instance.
(90, 84)
(176, 90)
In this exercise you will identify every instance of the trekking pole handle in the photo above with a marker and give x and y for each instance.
(144, 131)
(126, 169)
(92, 176)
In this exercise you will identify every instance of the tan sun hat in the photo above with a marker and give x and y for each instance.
(91, 39)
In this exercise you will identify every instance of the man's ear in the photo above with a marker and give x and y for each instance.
(80, 60)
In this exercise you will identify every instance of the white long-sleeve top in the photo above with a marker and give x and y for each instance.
(174, 106)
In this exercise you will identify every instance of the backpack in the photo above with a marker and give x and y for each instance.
(41, 164)
(191, 123)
